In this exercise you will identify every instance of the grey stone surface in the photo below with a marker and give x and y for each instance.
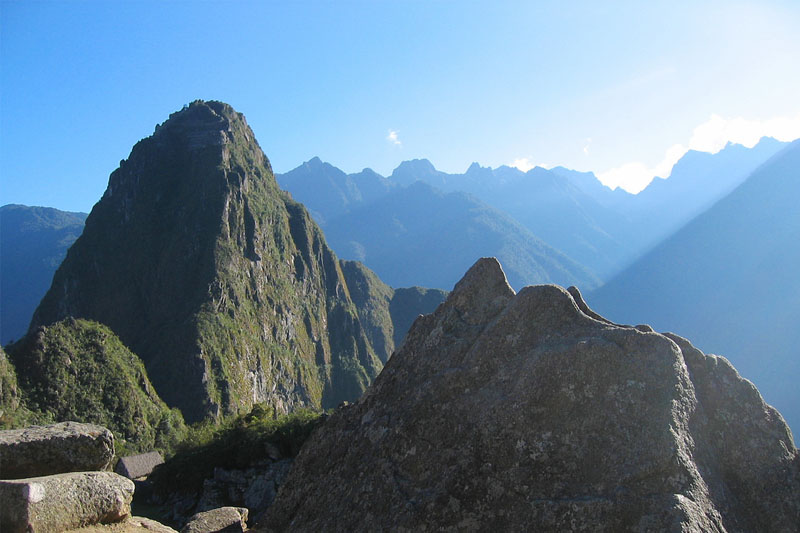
(54, 449)
(506, 412)
(221, 520)
(62, 502)
(254, 487)
(138, 466)
(133, 524)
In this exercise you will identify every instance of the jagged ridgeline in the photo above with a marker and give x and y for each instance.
(217, 279)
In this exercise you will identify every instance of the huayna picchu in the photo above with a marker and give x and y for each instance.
(216, 278)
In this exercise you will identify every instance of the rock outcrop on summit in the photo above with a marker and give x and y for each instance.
(512, 412)
(217, 279)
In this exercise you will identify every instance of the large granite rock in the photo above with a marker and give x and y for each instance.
(57, 448)
(64, 501)
(520, 412)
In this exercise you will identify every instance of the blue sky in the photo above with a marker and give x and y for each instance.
(619, 88)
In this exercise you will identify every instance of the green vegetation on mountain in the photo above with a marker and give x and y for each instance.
(238, 443)
(372, 298)
(33, 241)
(79, 370)
(9, 393)
(386, 313)
(219, 281)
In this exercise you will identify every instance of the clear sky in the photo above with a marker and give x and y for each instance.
(618, 88)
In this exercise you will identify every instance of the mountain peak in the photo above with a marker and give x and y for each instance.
(410, 171)
(483, 290)
(416, 165)
(206, 270)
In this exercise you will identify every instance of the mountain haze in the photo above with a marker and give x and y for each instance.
(418, 235)
(728, 279)
(696, 182)
(221, 283)
(33, 242)
(602, 229)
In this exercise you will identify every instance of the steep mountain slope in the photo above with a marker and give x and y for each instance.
(418, 235)
(696, 182)
(33, 242)
(728, 279)
(387, 313)
(522, 412)
(79, 370)
(10, 394)
(220, 282)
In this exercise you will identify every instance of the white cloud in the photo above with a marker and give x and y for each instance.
(392, 138)
(523, 163)
(586, 148)
(710, 136)
(635, 176)
(526, 163)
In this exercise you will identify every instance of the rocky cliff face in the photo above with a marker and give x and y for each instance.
(221, 283)
(511, 412)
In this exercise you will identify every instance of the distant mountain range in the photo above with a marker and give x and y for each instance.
(33, 242)
(728, 280)
(598, 231)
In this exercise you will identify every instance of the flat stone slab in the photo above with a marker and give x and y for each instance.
(138, 466)
(221, 520)
(54, 449)
(64, 501)
(134, 524)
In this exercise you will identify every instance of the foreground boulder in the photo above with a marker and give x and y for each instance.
(54, 449)
(64, 501)
(512, 412)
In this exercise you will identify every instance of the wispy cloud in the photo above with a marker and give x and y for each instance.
(393, 139)
(586, 146)
(710, 136)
